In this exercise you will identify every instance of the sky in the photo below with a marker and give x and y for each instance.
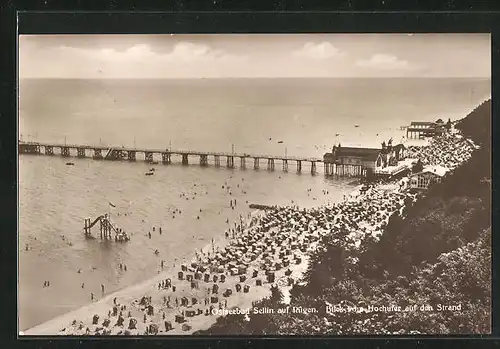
(185, 56)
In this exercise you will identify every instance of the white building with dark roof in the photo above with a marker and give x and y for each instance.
(429, 175)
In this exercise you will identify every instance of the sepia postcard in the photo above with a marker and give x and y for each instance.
(240, 184)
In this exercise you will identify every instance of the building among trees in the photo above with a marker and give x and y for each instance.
(429, 175)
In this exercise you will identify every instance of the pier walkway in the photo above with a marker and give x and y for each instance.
(165, 155)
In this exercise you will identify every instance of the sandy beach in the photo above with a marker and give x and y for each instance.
(82, 318)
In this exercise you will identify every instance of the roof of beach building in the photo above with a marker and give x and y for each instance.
(434, 169)
(364, 153)
(427, 123)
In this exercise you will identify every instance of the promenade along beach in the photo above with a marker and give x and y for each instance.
(213, 252)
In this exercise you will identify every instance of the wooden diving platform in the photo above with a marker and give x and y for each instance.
(106, 228)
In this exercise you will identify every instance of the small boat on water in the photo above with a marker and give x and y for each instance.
(280, 142)
(152, 169)
(149, 173)
(70, 163)
(356, 125)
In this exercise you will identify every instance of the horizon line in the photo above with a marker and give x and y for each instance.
(259, 78)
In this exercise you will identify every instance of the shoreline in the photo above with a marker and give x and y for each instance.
(130, 295)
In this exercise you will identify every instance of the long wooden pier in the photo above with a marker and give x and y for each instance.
(165, 156)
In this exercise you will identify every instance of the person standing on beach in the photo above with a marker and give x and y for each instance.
(91, 296)
(102, 288)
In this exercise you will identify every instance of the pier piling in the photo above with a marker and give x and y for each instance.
(217, 160)
(65, 151)
(165, 158)
(185, 160)
(80, 152)
(256, 163)
(203, 160)
(97, 154)
(270, 164)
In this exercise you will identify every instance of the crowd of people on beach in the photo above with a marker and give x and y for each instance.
(268, 248)
(449, 150)
(260, 251)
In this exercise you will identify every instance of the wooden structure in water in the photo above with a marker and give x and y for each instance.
(422, 129)
(166, 155)
(365, 162)
(350, 161)
(107, 229)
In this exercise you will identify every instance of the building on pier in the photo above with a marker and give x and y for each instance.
(356, 156)
(390, 155)
(354, 161)
(400, 152)
(351, 161)
(422, 129)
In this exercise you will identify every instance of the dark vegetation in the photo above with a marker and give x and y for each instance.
(439, 253)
